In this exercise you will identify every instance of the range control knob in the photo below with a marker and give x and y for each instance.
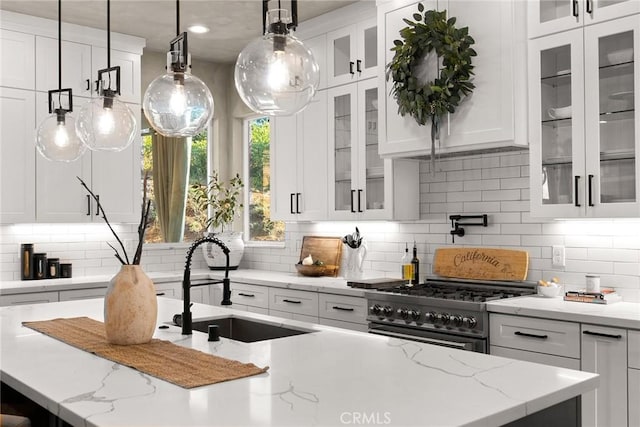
(387, 311)
(470, 322)
(431, 317)
(444, 318)
(415, 314)
(376, 309)
(403, 312)
(457, 320)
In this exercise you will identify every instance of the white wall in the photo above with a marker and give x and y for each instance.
(496, 184)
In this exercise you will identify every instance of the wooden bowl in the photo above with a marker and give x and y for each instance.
(316, 270)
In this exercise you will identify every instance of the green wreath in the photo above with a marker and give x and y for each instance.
(431, 31)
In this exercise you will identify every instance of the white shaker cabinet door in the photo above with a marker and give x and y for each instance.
(17, 56)
(17, 156)
(284, 167)
(76, 66)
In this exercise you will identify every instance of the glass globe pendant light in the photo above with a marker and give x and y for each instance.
(56, 137)
(277, 74)
(178, 104)
(106, 123)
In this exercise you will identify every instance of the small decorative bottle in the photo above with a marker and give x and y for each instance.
(407, 267)
(415, 262)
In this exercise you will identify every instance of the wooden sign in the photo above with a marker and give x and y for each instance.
(481, 263)
(325, 249)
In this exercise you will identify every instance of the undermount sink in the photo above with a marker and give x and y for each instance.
(246, 330)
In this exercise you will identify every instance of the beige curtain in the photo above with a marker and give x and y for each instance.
(171, 159)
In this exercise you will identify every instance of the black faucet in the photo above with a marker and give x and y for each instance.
(186, 282)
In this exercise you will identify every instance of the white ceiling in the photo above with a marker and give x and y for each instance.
(232, 23)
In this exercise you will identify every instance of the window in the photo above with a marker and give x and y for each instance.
(198, 173)
(258, 224)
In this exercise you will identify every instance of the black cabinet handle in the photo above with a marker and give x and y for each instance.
(97, 204)
(524, 334)
(292, 301)
(589, 7)
(590, 195)
(335, 307)
(575, 8)
(88, 205)
(97, 83)
(352, 208)
(291, 202)
(359, 66)
(576, 184)
(161, 294)
(246, 295)
(359, 200)
(351, 67)
(88, 84)
(600, 334)
(298, 203)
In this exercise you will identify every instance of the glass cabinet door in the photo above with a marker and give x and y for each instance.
(372, 172)
(611, 78)
(341, 52)
(550, 16)
(557, 131)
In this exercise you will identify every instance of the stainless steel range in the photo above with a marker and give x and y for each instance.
(448, 312)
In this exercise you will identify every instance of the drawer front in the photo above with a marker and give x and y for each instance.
(293, 301)
(82, 294)
(33, 298)
(634, 397)
(530, 356)
(341, 307)
(531, 334)
(634, 349)
(252, 295)
(169, 290)
(293, 316)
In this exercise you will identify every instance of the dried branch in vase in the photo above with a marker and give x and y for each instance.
(142, 226)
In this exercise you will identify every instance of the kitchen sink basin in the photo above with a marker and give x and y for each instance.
(246, 330)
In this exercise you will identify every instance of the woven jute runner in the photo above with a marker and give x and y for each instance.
(182, 366)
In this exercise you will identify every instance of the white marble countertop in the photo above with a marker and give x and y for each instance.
(620, 314)
(337, 285)
(324, 378)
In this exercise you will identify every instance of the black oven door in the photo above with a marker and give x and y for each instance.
(479, 345)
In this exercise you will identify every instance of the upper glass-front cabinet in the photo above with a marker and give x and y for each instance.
(551, 16)
(352, 53)
(583, 121)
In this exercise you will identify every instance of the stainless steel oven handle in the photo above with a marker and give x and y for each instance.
(463, 346)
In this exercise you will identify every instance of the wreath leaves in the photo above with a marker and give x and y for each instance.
(431, 31)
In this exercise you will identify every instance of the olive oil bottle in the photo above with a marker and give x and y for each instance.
(407, 267)
(415, 263)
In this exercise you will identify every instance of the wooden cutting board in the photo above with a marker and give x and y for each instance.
(325, 249)
(481, 263)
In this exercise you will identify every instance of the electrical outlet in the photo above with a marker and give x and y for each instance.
(557, 256)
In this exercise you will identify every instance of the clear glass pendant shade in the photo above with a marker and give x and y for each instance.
(57, 140)
(276, 74)
(106, 124)
(178, 104)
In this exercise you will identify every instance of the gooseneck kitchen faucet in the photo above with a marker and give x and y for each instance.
(187, 285)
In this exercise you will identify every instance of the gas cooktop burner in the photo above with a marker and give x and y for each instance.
(458, 292)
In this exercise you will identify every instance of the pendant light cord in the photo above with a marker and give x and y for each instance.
(109, 34)
(59, 52)
(177, 17)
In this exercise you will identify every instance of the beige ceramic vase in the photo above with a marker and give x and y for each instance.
(130, 307)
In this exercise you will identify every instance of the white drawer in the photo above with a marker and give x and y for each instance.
(530, 356)
(533, 334)
(78, 294)
(634, 349)
(293, 301)
(32, 298)
(252, 295)
(169, 290)
(634, 396)
(341, 307)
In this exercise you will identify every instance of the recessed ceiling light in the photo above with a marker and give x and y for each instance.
(198, 29)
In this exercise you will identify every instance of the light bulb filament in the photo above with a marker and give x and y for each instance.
(61, 138)
(106, 123)
(178, 101)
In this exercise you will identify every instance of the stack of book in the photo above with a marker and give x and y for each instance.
(604, 296)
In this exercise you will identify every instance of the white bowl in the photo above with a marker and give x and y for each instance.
(620, 56)
(560, 113)
(549, 291)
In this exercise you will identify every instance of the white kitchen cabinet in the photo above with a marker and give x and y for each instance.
(77, 73)
(17, 59)
(299, 163)
(352, 53)
(583, 123)
(494, 115)
(113, 176)
(169, 290)
(343, 311)
(31, 298)
(362, 185)
(293, 301)
(318, 47)
(552, 16)
(17, 155)
(634, 377)
(604, 351)
(77, 294)
(250, 295)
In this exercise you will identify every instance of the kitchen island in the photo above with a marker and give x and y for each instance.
(328, 377)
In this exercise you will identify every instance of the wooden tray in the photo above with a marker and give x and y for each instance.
(325, 249)
(481, 263)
